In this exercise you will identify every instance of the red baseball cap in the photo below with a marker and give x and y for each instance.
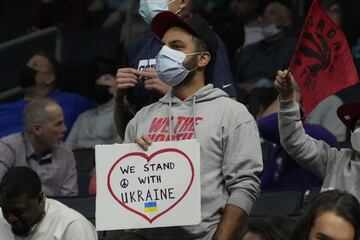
(349, 113)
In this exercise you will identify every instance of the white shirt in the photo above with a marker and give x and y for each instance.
(60, 223)
(95, 126)
(325, 115)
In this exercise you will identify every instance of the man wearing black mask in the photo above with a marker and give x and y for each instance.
(97, 126)
(38, 79)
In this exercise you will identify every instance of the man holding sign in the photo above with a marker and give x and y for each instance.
(229, 141)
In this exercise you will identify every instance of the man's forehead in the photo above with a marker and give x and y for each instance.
(38, 59)
(177, 33)
(16, 202)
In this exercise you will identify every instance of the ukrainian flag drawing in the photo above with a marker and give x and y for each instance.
(150, 207)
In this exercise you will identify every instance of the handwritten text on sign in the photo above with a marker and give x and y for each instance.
(154, 184)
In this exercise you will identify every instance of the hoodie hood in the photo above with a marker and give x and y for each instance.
(204, 94)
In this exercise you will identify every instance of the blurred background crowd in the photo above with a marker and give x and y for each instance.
(70, 50)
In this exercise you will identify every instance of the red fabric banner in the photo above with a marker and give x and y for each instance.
(322, 63)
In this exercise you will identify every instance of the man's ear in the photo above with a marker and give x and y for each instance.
(204, 59)
(36, 129)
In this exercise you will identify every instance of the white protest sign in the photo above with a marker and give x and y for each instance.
(156, 188)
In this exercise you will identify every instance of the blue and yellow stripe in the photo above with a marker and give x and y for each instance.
(150, 207)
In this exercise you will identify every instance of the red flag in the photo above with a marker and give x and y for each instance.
(322, 63)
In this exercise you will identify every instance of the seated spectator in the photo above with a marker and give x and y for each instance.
(339, 169)
(246, 12)
(269, 228)
(97, 126)
(257, 63)
(28, 214)
(331, 215)
(39, 79)
(40, 148)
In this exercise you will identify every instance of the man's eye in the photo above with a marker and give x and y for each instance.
(175, 46)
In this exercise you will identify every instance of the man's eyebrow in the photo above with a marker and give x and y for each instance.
(176, 41)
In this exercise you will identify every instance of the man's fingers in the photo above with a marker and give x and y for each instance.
(126, 75)
(144, 142)
(148, 74)
(147, 139)
(126, 85)
(127, 70)
(126, 80)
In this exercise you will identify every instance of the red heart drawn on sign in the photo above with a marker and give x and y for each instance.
(148, 159)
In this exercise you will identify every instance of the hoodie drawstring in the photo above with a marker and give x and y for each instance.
(170, 117)
(194, 117)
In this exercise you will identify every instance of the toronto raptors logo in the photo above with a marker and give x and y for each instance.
(320, 51)
(317, 51)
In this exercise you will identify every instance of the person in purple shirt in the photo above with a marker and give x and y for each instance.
(40, 148)
(39, 79)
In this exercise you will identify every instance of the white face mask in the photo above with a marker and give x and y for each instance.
(150, 8)
(270, 30)
(170, 66)
(355, 140)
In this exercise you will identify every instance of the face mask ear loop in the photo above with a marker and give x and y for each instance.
(189, 54)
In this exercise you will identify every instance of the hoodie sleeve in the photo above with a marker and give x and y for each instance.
(242, 164)
(312, 154)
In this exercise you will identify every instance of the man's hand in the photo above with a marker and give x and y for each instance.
(284, 84)
(231, 223)
(127, 78)
(144, 142)
(153, 82)
(130, 77)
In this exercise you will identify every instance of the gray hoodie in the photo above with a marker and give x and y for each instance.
(230, 151)
(339, 169)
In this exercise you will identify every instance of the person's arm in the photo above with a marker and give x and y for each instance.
(70, 185)
(126, 78)
(241, 167)
(122, 115)
(80, 229)
(7, 158)
(231, 223)
(314, 155)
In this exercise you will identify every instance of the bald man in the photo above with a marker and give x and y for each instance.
(40, 148)
(258, 63)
